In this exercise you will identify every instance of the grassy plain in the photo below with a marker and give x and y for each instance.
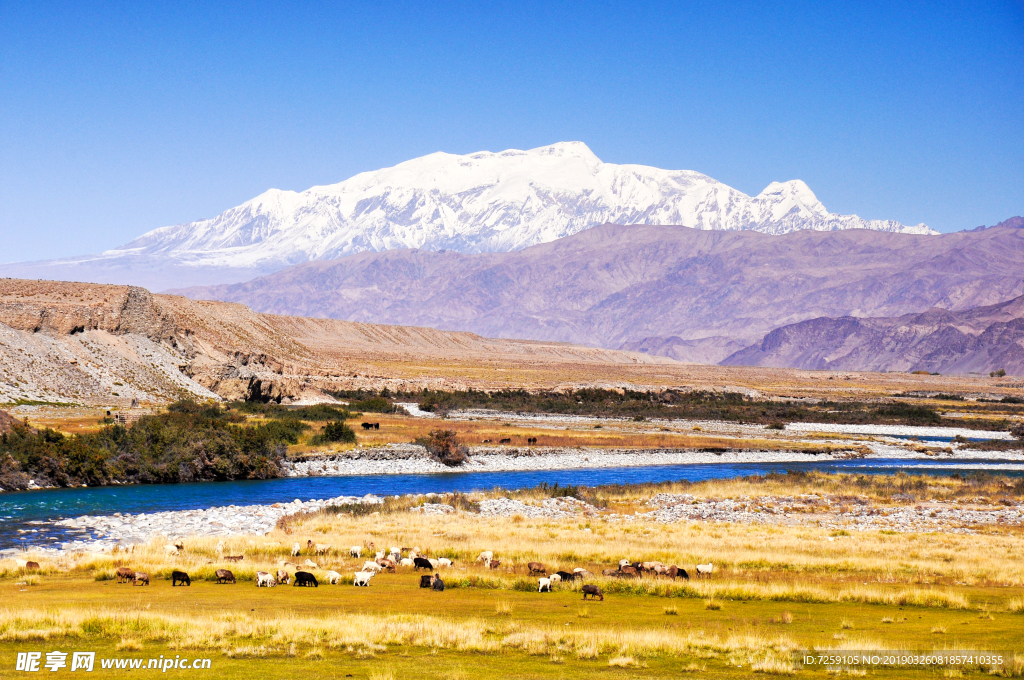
(775, 589)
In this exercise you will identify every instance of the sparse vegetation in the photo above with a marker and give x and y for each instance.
(189, 442)
(444, 446)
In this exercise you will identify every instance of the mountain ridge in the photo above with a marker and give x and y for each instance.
(614, 286)
(480, 202)
(980, 340)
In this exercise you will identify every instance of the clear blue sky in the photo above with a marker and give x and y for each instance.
(119, 118)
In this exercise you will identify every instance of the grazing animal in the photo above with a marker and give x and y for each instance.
(705, 569)
(434, 563)
(321, 549)
(264, 580)
(141, 579)
(566, 576)
(484, 556)
(333, 577)
(310, 563)
(376, 426)
(388, 565)
(355, 551)
(629, 572)
(220, 547)
(362, 578)
(493, 564)
(543, 585)
(444, 562)
(406, 562)
(581, 572)
(505, 441)
(171, 549)
(180, 577)
(438, 584)
(365, 426)
(593, 591)
(486, 441)
(234, 558)
(379, 555)
(611, 572)
(31, 565)
(537, 568)
(124, 574)
(555, 578)
(372, 566)
(296, 549)
(531, 440)
(225, 576)
(283, 577)
(396, 551)
(675, 571)
(623, 563)
(427, 580)
(422, 563)
(304, 578)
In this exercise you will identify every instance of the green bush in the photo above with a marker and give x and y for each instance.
(190, 442)
(336, 432)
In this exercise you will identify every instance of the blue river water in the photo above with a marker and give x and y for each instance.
(28, 510)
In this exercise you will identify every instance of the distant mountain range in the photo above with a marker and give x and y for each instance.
(685, 293)
(979, 340)
(481, 202)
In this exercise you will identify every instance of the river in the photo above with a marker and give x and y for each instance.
(25, 516)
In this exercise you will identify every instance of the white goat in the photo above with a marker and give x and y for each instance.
(543, 584)
(444, 562)
(486, 556)
(362, 578)
(623, 563)
(371, 566)
(407, 562)
(333, 577)
(295, 549)
(264, 580)
(355, 551)
(555, 578)
(171, 549)
(705, 569)
(311, 564)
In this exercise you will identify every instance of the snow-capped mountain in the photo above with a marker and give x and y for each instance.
(474, 203)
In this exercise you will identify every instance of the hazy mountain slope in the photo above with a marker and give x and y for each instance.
(615, 286)
(104, 344)
(982, 339)
(481, 202)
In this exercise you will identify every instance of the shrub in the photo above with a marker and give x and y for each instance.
(998, 374)
(444, 447)
(375, 405)
(1018, 431)
(336, 431)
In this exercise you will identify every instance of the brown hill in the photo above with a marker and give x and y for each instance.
(692, 295)
(93, 343)
(980, 340)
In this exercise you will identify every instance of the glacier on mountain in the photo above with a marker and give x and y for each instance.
(484, 202)
(480, 202)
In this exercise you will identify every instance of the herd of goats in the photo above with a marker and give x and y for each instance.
(390, 561)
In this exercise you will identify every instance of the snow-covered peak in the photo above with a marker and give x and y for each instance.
(485, 201)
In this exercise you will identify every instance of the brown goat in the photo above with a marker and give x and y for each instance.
(141, 579)
(593, 591)
(537, 568)
(225, 576)
(124, 574)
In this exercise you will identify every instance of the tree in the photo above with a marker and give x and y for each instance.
(444, 447)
